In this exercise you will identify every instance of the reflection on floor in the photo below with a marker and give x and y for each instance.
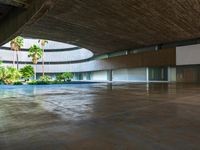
(100, 117)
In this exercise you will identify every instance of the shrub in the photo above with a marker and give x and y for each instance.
(45, 78)
(59, 77)
(57, 82)
(18, 83)
(9, 75)
(27, 72)
(35, 82)
(67, 76)
(1, 82)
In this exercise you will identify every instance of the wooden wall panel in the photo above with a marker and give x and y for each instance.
(164, 57)
(189, 74)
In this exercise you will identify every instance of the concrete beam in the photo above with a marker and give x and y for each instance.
(15, 21)
(15, 3)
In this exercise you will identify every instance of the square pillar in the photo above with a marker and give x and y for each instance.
(147, 74)
(109, 75)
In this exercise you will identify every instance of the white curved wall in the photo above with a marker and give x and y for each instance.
(74, 55)
(50, 45)
(80, 54)
(77, 67)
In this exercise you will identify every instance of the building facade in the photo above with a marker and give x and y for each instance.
(150, 64)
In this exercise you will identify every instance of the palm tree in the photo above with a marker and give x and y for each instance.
(35, 52)
(16, 45)
(43, 43)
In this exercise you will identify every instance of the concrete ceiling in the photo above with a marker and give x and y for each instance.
(109, 25)
(4, 9)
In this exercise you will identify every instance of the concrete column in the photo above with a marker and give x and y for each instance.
(171, 74)
(147, 74)
(127, 52)
(109, 75)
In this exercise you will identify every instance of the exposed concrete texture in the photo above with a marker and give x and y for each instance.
(106, 25)
(14, 22)
(15, 3)
(110, 25)
(101, 117)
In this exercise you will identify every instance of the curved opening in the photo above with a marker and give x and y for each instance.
(55, 52)
(51, 45)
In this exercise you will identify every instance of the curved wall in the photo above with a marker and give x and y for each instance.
(164, 57)
(61, 56)
(28, 42)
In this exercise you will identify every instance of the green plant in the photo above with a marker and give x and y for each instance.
(27, 72)
(18, 83)
(32, 82)
(57, 82)
(59, 77)
(67, 76)
(8, 75)
(35, 52)
(35, 82)
(45, 78)
(2, 72)
(42, 81)
(16, 45)
(1, 82)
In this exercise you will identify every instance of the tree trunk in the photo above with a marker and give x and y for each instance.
(35, 72)
(17, 56)
(13, 58)
(43, 62)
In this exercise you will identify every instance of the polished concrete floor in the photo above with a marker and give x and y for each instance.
(101, 117)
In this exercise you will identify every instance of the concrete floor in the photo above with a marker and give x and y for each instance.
(102, 117)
